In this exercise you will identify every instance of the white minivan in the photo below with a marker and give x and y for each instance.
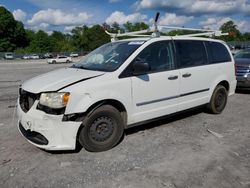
(122, 84)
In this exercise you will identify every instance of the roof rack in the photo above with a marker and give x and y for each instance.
(155, 32)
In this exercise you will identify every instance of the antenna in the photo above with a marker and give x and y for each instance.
(156, 33)
(156, 20)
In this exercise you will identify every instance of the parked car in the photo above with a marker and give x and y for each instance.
(26, 57)
(242, 61)
(41, 56)
(48, 55)
(34, 56)
(8, 56)
(120, 85)
(60, 59)
(73, 54)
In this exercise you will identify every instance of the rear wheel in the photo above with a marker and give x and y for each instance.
(218, 100)
(102, 129)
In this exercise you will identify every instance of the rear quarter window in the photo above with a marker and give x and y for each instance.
(217, 53)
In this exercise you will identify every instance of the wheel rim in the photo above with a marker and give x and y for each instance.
(102, 129)
(220, 99)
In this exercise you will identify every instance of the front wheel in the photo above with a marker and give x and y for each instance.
(218, 100)
(102, 129)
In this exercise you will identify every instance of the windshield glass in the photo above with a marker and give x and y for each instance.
(108, 57)
(243, 54)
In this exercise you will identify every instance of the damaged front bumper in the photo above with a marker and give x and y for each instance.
(47, 131)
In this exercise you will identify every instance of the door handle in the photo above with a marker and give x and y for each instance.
(172, 77)
(186, 75)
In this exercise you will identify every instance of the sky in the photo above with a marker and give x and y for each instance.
(63, 15)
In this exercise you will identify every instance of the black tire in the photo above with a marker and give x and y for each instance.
(53, 62)
(102, 129)
(67, 61)
(218, 100)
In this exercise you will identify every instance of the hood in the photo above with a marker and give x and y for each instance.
(242, 62)
(58, 79)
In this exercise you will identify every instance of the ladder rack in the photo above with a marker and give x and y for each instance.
(156, 30)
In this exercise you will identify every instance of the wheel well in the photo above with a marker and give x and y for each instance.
(116, 104)
(225, 84)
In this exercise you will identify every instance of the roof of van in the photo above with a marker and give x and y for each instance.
(169, 38)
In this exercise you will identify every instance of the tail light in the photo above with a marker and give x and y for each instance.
(235, 69)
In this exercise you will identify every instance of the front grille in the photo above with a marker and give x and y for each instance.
(27, 99)
(242, 71)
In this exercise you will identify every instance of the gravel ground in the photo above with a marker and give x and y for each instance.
(176, 152)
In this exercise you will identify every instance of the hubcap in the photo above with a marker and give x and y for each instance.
(220, 99)
(102, 129)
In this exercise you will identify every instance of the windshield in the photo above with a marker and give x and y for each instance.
(243, 54)
(108, 57)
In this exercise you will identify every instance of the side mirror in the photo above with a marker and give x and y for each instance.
(140, 68)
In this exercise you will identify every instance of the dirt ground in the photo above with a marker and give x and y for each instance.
(192, 149)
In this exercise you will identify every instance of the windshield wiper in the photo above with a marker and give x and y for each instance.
(80, 67)
(87, 68)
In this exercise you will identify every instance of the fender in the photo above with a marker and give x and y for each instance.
(83, 96)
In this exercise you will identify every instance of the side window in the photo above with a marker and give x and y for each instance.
(158, 55)
(217, 52)
(191, 53)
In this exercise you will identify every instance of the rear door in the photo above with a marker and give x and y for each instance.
(196, 76)
(62, 59)
(156, 93)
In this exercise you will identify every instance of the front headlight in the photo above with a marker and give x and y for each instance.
(54, 100)
(248, 77)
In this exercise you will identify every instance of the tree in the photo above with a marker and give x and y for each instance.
(40, 43)
(30, 34)
(12, 33)
(106, 26)
(181, 32)
(88, 39)
(60, 42)
(246, 36)
(80, 38)
(115, 26)
(232, 29)
(19, 36)
(128, 26)
(96, 37)
(135, 27)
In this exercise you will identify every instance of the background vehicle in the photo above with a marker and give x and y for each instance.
(48, 55)
(34, 56)
(26, 57)
(9, 56)
(41, 56)
(73, 54)
(242, 63)
(60, 59)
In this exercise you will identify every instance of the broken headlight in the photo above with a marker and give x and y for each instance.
(54, 100)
